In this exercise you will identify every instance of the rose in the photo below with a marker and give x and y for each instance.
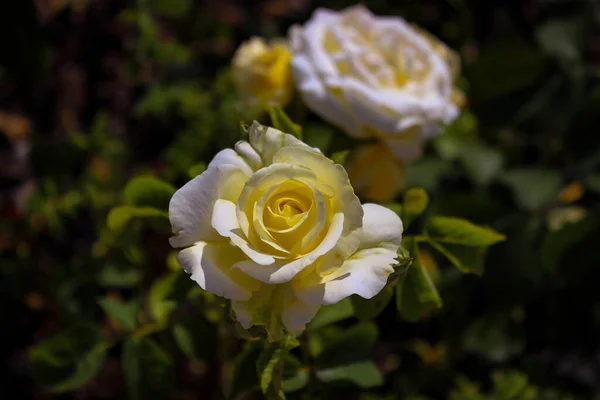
(375, 77)
(261, 74)
(275, 227)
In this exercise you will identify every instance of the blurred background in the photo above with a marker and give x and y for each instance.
(95, 92)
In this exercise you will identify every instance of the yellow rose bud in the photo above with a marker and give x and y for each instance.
(261, 74)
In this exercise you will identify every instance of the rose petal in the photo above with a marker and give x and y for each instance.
(280, 271)
(210, 266)
(225, 221)
(191, 207)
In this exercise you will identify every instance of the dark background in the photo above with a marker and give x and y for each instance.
(95, 92)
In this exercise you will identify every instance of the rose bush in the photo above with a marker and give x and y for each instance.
(375, 77)
(275, 227)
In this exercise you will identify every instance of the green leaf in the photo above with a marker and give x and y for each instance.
(563, 38)
(195, 337)
(281, 121)
(481, 163)
(465, 258)
(148, 191)
(166, 293)
(295, 374)
(270, 367)
(331, 314)
(120, 277)
(460, 231)
(244, 378)
(319, 136)
(533, 188)
(87, 367)
(426, 172)
(70, 359)
(124, 313)
(510, 384)
(415, 292)
(148, 369)
(363, 374)
(354, 344)
(368, 309)
(557, 243)
(119, 216)
(415, 202)
(339, 157)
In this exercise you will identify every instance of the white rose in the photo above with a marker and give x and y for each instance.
(275, 226)
(375, 77)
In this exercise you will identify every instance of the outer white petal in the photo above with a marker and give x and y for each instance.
(281, 272)
(190, 208)
(210, 266)
(225, 221)
(365, 272)
(228, 156)
(319, 98)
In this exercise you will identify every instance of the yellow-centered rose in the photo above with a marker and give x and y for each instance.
(275, 226)
(261, 74)
(376, 77)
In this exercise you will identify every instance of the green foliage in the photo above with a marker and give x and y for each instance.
(149, 370)
(281, 121)
(416, 294)
(70, 359)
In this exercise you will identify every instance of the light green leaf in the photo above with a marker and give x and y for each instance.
(415, 292)
(270, 367)
(354, 344)
(368, 309)
(166, 293)
(281, 121)
(119, 216)
(148, 369)
(339, 157)
(124, 313)
(364, 374)
(415, 202)
(331, 314)
(148, 191)
(557, 243)
(465, 258)
(460, 231)
(533, 188)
